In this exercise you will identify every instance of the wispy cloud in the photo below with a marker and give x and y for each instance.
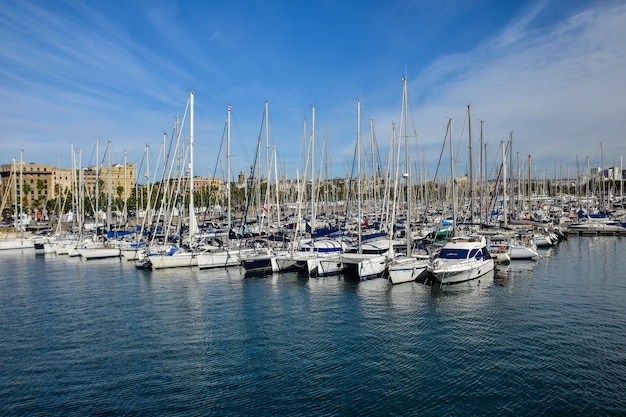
(73, 71)
(557, 89)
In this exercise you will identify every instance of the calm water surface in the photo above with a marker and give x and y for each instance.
(101, 337)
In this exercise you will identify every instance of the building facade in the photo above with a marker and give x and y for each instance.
(34, 184)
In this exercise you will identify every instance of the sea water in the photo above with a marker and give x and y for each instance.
(101, 337)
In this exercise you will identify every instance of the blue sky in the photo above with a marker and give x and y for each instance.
(550, 71)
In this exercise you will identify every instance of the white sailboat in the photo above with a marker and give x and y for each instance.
(99, 248)
(17, 239)
(408, 267)
(365, 259)
(218, 257)
(160, 257)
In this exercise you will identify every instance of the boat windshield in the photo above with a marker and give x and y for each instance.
(453, 253)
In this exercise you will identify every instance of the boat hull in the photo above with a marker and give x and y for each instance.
(364, 267)
(219, 259)
(99, 253)
(326, 266)
(12, 244)
(260, 263)
(177, 260)
(407, 270)
(461, 271)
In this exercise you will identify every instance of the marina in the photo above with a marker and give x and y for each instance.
(330, 208)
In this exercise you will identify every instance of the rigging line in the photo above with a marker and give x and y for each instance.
(443, 147)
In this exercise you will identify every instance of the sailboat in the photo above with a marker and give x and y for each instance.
(100, 249)
(411, 266)
(366, 259)
(171, 256)
(220, 257)
(17, 239)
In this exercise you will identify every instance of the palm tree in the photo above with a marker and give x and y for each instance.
(25, 189)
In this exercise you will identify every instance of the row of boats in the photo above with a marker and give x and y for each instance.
(459, 257)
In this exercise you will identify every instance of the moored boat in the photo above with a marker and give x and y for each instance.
(462, 259)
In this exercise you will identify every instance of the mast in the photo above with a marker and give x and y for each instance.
(109, 188)
(267, 143)
(358, 164)
(125, 190)
(15, 198)
(97, 213)
(510, 148)
(22, 199)
(530, 191)
(229, 212)
(313, 188)
(193, 225)
(452, 182)
(407, 173)
(601, 181)
(621, 178)
(482, 175)
(59, 198)
(471, 165)
(504, 203)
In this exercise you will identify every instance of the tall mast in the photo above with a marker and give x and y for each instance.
(358, 159)
(471, 164)
(15, 198)
(504, 205)
(193, 226)
(452, 179)
(267, 143)
(97, 214)
(407, 173)
(482, 175)
(22, 182)
(109, 188)
(530, 190)
(313, 193)
(229, 218)
(511, 171)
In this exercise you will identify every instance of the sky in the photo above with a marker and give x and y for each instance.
(548, 73)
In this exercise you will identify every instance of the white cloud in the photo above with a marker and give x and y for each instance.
(561, 92)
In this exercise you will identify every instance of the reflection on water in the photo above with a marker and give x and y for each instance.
(503, 274)
(86, 338)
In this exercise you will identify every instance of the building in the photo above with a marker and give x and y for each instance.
(32, 183)
(35, 184)
(610, 174)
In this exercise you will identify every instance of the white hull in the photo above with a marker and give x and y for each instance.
(177, 260)
(462, 259)
(43, 246)
(17, 243)
(59, 248)
(99, 253)
(311, 253)
(325, 266)
(290, 262)
(518, 252)
(461, 271)
(218, 259)
(407, 269)
(132, 254)
(364, 266)
(72, 250)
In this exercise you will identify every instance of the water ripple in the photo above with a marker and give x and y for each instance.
(100, 337)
